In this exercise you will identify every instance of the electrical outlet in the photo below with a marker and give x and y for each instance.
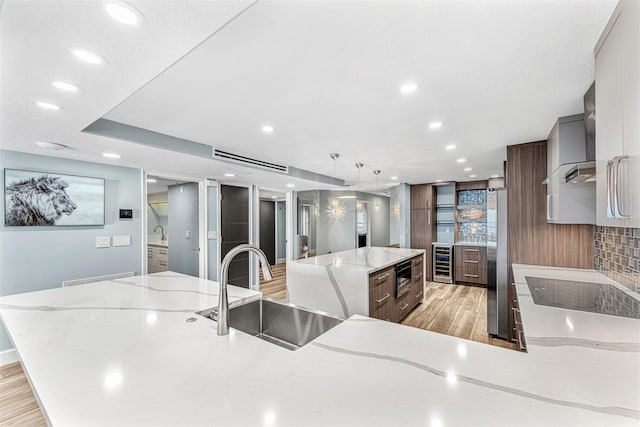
(187, 234)
(103, 242)
(124, 240)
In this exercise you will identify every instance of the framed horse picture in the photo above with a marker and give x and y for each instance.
(51, 199)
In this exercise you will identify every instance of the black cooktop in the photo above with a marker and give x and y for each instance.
(599, 298)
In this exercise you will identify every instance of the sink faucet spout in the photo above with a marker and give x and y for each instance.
(223, 299)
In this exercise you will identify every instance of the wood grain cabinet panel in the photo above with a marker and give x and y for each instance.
(401, 307)
(471, 264)
(381, 293)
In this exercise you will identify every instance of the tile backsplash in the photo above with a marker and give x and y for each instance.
(616, 254)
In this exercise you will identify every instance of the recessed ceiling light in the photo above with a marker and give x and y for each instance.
(394, 178)
(495, 175)
(438, 180)
(67, 87)
(230, 175)
(467, 169)
(268, 129)
(450, 147)
(291, 185)
(51, 145)
(409, 87)
(87, 56)
(48, 106)
(152, 180)
(112, 155)
(461, 160)
(435, 125)
(123, 12)
(473, 175)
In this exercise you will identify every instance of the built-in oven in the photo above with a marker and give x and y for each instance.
(403, 278)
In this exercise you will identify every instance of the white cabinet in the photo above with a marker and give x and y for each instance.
(618, 119)
(568, 202)
(157, 259)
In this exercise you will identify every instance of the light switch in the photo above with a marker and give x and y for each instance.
(187, 234)
(124, 240)
(212, 235)
(103, 242)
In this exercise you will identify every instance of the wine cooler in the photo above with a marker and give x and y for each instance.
(443, 263)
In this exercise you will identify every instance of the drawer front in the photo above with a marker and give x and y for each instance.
(417, 261)
(417, 292)
(380, 301)
(401, 307)
(471, 264)
(382, 278)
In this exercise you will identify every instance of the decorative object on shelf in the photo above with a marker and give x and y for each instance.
(48, 199)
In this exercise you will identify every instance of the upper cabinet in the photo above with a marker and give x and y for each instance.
(571, 192)
(618, 118)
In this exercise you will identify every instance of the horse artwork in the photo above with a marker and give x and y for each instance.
(46, 199)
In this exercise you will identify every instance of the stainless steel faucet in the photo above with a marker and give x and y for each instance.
(163, 237)
(223, 299)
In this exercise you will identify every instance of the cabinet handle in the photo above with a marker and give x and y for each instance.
(549, 216)
(418, 276)
(429, 217)
(383, 298)
(471, 262)
(383, 276)
(419, 294)
(471, 275)
(162, 263)
(471, 250)
(616, 194)
(404, 307)
(610, 209)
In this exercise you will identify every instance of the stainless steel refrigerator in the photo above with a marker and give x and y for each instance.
(497, 264)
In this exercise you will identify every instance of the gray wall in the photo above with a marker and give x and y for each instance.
(212, 227)
(36, 258)
(339, 234)
(183, 218)
(399, 215)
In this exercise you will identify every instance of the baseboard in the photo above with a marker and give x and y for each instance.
(8, 356)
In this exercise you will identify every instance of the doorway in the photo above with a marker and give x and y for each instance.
(172, 226)
(363, 224)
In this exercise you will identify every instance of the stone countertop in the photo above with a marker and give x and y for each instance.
(123, 353)
(369, 259)
(470, 244)
(159, 243)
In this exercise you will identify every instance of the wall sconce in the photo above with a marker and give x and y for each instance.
(336, 210)
(376, 207)
(396, 209)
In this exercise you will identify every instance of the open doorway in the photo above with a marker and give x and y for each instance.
(272, 218)
(172, 226)
(363, 224)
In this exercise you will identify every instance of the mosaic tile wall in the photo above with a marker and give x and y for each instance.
(617, 254)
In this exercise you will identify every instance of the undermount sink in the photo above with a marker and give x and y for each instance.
(285, 325)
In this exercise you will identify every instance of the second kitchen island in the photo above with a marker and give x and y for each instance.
(385, 283)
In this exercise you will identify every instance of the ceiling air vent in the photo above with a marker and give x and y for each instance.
(248, 161)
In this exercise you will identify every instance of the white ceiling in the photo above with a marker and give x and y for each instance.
(325, 74)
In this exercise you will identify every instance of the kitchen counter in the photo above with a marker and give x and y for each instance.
(369, 259)
(123, 353)
(338, 283)
(470, 244)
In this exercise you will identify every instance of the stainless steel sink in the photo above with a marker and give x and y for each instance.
(279, 323)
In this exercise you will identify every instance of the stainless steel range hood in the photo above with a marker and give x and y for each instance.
(581, 172)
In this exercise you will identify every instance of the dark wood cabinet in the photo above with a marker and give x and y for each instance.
(383, 303)
(381, 293)
(423, 220)
(471, 264)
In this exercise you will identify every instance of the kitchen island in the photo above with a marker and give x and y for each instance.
(359, 281)
(125, 352)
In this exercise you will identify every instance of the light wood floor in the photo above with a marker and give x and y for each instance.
(456, 310)
(18, 405)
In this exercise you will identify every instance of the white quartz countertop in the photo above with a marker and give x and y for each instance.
(123, 353)
(369, 259)
(159, 243)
